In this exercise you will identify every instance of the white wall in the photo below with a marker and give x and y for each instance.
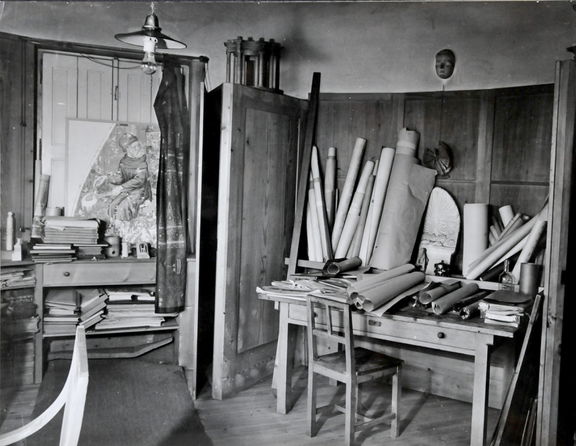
(357, 46)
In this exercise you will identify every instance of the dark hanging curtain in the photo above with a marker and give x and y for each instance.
(172, 113)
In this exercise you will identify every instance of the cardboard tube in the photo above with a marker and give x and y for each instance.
(42, 196)
(320, 207)
(330, 185)
(408, 192)
(314, 235)
(446, 302)
(376, 203)
(368, 281)
(506, 214)
(503, 247)
(428, 296)
(475, 233)
(333, 268)
(347, 191)
(389, 289)
(355, 246)
(512, 225)
(353, 215)
(528, 249)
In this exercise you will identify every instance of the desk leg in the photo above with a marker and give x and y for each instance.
(284, 361)
(480, 395)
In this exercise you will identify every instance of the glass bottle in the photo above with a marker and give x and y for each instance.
(506, 278)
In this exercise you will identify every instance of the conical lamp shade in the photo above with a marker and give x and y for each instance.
(151, 28)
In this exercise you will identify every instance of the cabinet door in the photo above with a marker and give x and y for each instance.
(559, 255)
(256, 189)
(135, 93)
(95, 88)
(59, 95)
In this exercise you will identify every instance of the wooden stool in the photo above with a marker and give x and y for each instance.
(351, 366)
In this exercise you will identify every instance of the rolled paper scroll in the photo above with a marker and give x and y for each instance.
(314, 235)
(320, 206)
(375, 297)
(353, 216)
(408, 192)
(376, 203)
(407, 142)
(506, 214)
(512, 225)
(42, 196)
(335, 267)
(475, 233)
(369, 281)
(503, 246)
(354, 249)
(330, 185)
(446, 302)
(430, 295)
(348, 189)
(530, 246)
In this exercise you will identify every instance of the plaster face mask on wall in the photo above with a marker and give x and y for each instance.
(445, 62)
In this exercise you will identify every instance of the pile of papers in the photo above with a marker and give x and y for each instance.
(130, 308)
(66, 308)
(71, 230)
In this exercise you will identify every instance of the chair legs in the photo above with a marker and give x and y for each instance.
(351, 410)
(396, 394)
(311, 403)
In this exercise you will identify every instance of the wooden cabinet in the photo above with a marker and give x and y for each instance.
(249, 172)
(78, 274)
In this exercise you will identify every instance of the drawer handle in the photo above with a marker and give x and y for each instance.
(66, 273)
(441, 335)
(374, 323)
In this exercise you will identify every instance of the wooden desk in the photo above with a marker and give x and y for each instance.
(412, 327)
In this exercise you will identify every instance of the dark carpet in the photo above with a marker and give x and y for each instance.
(129, 402)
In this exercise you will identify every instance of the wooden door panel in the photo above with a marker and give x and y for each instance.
(256, 189)
(522, 134)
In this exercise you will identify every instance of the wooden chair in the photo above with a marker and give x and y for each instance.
(72, 398)
(350, 366)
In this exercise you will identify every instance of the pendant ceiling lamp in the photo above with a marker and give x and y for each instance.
(150, 38)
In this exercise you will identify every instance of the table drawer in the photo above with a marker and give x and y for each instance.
(100, 273)
(407, 332)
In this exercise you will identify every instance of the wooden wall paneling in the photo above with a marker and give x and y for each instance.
(522, 134)
(17, 108)
(459, 129)
(258, 151)
(524, 197)
(422, 113)
(485, 146)
(344, 117)
(95, 88)
(561, 165)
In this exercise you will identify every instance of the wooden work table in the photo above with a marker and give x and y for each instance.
(409, 327)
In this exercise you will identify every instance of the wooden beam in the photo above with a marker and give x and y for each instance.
(310, 132)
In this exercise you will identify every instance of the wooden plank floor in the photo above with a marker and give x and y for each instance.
(250, 418)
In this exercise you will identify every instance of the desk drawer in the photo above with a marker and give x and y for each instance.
(406, 332)
(100, 273)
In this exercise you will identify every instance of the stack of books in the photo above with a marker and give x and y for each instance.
(74, 230)
(131, 309)
(17, 278)
(66, 308)
(510, 314)
(18, 314)
(90, 252)
(52, 252)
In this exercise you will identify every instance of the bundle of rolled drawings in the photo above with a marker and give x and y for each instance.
(520, 236)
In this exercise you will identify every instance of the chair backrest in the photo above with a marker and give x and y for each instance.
(331, 320)
(72, 398)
